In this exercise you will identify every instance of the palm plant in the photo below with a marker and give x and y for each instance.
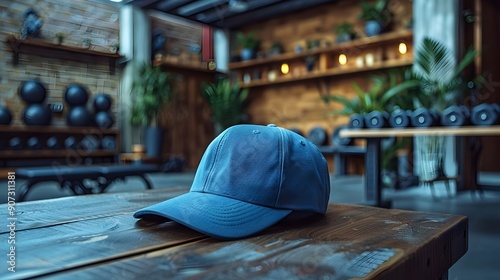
(151, 91)
(226, 101)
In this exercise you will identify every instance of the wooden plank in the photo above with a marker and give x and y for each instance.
(47, 213)
(421, 246)
(409, 132)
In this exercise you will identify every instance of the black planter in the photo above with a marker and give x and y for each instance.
(153, 141)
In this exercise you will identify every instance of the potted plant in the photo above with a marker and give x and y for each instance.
(436, 83)
(345, 32)
(275, 49)
(87, 42)
(151, 92)
(376, 17)
(227, 102)
(380, 97)
(248, 43)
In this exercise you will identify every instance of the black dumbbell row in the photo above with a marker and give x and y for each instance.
(480, 115)
(88, 143)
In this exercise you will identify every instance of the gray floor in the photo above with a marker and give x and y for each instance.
(480, 262)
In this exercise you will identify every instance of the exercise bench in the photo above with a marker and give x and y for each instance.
(73, 177)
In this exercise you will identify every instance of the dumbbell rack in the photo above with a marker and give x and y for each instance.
(76, 155)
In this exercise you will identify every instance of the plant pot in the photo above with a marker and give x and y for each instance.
(373, 28)
(344, 38)
(247, 54)
(153, 141)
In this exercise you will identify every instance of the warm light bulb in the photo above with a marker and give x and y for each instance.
(402, 48)
(285, 68)
(342, 59)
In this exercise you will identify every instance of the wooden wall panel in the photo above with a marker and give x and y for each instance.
(93, 19)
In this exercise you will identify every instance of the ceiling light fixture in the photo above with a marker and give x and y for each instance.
(238, 6)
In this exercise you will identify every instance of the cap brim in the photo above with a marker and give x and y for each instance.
(214, 215)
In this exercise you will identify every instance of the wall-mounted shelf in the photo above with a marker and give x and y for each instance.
(8, 132)
(184, 67)
(328, 73)
(47, 49)
(382, 50)
(362, 43)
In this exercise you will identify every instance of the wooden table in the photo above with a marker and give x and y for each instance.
(373, 137)
(96, 237)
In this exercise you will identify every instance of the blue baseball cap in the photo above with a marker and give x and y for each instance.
(249, 178)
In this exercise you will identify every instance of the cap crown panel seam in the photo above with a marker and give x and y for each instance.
(216, 158)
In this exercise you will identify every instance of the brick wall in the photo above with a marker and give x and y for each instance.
(77, 19)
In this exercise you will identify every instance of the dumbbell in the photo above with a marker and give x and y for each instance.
(455, 116)
(70, 143)
(376, 119)
(422, 117)
(89, 143)
(15, 143)
(340, 141)
(485, 114)
(317, 136)
(34, 143)
(52, 143)
(400, 118)
(357, 121)
(108, 143)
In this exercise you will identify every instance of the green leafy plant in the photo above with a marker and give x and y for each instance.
(436, 80)
(151, 91)
(87, 42)
(344, 28)
(376, 11)
(247, 40)
(60, 37)
(226, 101)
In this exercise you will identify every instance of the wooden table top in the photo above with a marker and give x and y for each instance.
(389, 132)
(96, 237)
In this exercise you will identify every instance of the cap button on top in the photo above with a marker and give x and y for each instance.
(271, 125)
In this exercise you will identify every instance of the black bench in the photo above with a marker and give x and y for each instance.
(73, 177)
(340, 149)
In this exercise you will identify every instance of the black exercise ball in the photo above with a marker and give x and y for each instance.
(32, 92)
(15, 143)
(5, 115)
(70, 143)
(37, 114)
(53, 143)
(102, 102)
(104, 119)
(79, 116)
(76, 95)
(34, 143)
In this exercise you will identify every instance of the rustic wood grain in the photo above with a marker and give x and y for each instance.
(421, 245)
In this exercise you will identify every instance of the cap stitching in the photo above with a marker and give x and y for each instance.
(223, 137)
(282, 164)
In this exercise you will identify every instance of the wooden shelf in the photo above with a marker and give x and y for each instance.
(359, 43)
(23, 154)
(338, 71)
(183, 67)
(47, 49)
(58, 130)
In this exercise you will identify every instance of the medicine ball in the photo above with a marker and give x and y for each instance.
(76, 95)
(5, 115)
(108, 143)
(102, 102)
(32, 91)
(317, 136)
(37, 114)
(79, 116)
(104, 119)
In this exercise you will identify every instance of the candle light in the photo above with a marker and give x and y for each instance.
(285, 68)
(342, 59)
(402, 48)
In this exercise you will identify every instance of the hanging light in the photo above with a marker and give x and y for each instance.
(342, 59)
(402, 48)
